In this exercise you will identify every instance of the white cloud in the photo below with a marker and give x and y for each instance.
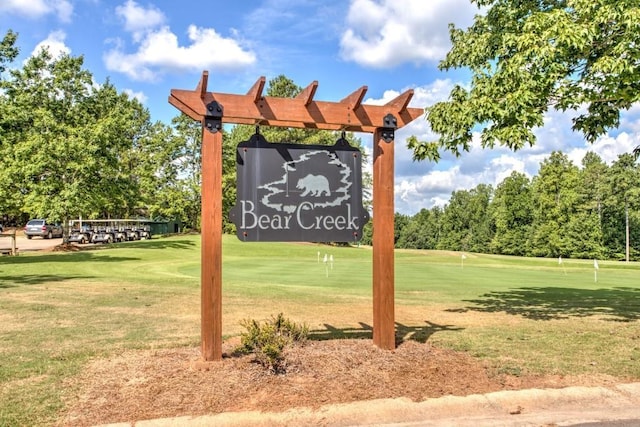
(435, 185)
(558, 135)
(385, 33)
(608, 147)
(32, 9)
(137, 19)
(159, 50)
(140, 96)
(416, 192)
(54, 43)
(630, 120)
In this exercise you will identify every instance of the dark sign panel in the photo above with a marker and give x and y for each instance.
(293, 192)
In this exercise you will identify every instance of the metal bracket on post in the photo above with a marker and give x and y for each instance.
(213, 117)
(390, 124)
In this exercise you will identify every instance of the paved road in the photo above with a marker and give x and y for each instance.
(35, 244)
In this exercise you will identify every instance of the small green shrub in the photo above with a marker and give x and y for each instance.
(268, 340)
(513, 370)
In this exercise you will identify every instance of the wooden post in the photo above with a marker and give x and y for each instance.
(211, 255)
(14, 250)
(383, 244)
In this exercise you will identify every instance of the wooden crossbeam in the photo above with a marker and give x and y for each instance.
(301, 112)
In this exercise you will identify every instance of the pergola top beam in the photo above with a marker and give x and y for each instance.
(255, 92)
(202, 84)
(300, 112)
(308, 93)
(354, 100)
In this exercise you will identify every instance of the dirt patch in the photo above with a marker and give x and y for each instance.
(138, 385)
(64, 247)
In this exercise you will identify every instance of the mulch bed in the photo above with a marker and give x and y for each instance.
(138, 385)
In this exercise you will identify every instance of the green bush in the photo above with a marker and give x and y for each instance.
(268, 340)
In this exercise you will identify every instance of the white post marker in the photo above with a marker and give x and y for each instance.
(326, 267)
(462, 258)
(595, 270)
(331, 261)
(318, 257)
(560, 263)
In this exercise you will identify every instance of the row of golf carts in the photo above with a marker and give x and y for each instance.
(108, 231)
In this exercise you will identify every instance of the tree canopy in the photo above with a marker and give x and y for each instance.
(8, 50)
(69, 146)
(526, 57)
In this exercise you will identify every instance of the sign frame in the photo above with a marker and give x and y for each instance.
(298, 192)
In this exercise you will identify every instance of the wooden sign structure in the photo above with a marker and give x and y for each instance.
(350, 115)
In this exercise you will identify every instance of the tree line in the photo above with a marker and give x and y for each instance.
(592, 211)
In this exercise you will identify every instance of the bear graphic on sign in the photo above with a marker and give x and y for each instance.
(308, 173)
(315, 185)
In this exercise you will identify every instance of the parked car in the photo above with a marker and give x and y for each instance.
(42, 228)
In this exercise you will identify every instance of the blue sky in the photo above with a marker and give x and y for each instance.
(146, 48)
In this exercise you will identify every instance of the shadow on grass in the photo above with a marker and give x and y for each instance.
(419, 333)
(7, 282)
(620, 304)
(160, 244)
(65, 257)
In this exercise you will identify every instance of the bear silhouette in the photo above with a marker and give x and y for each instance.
(315, 185)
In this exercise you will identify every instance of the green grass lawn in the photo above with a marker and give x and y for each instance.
(523, 315)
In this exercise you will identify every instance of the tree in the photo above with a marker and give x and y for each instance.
(119, 128)
(67, 144)
(422, 231)
(9, 205)
(593, 183)
(400, 222)
(592, 212)
(555, 196)
(528, 56)
(624, 199)
(583, 236)
(466, 222)
(176, 191)
(512, 214)
(8, 50)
